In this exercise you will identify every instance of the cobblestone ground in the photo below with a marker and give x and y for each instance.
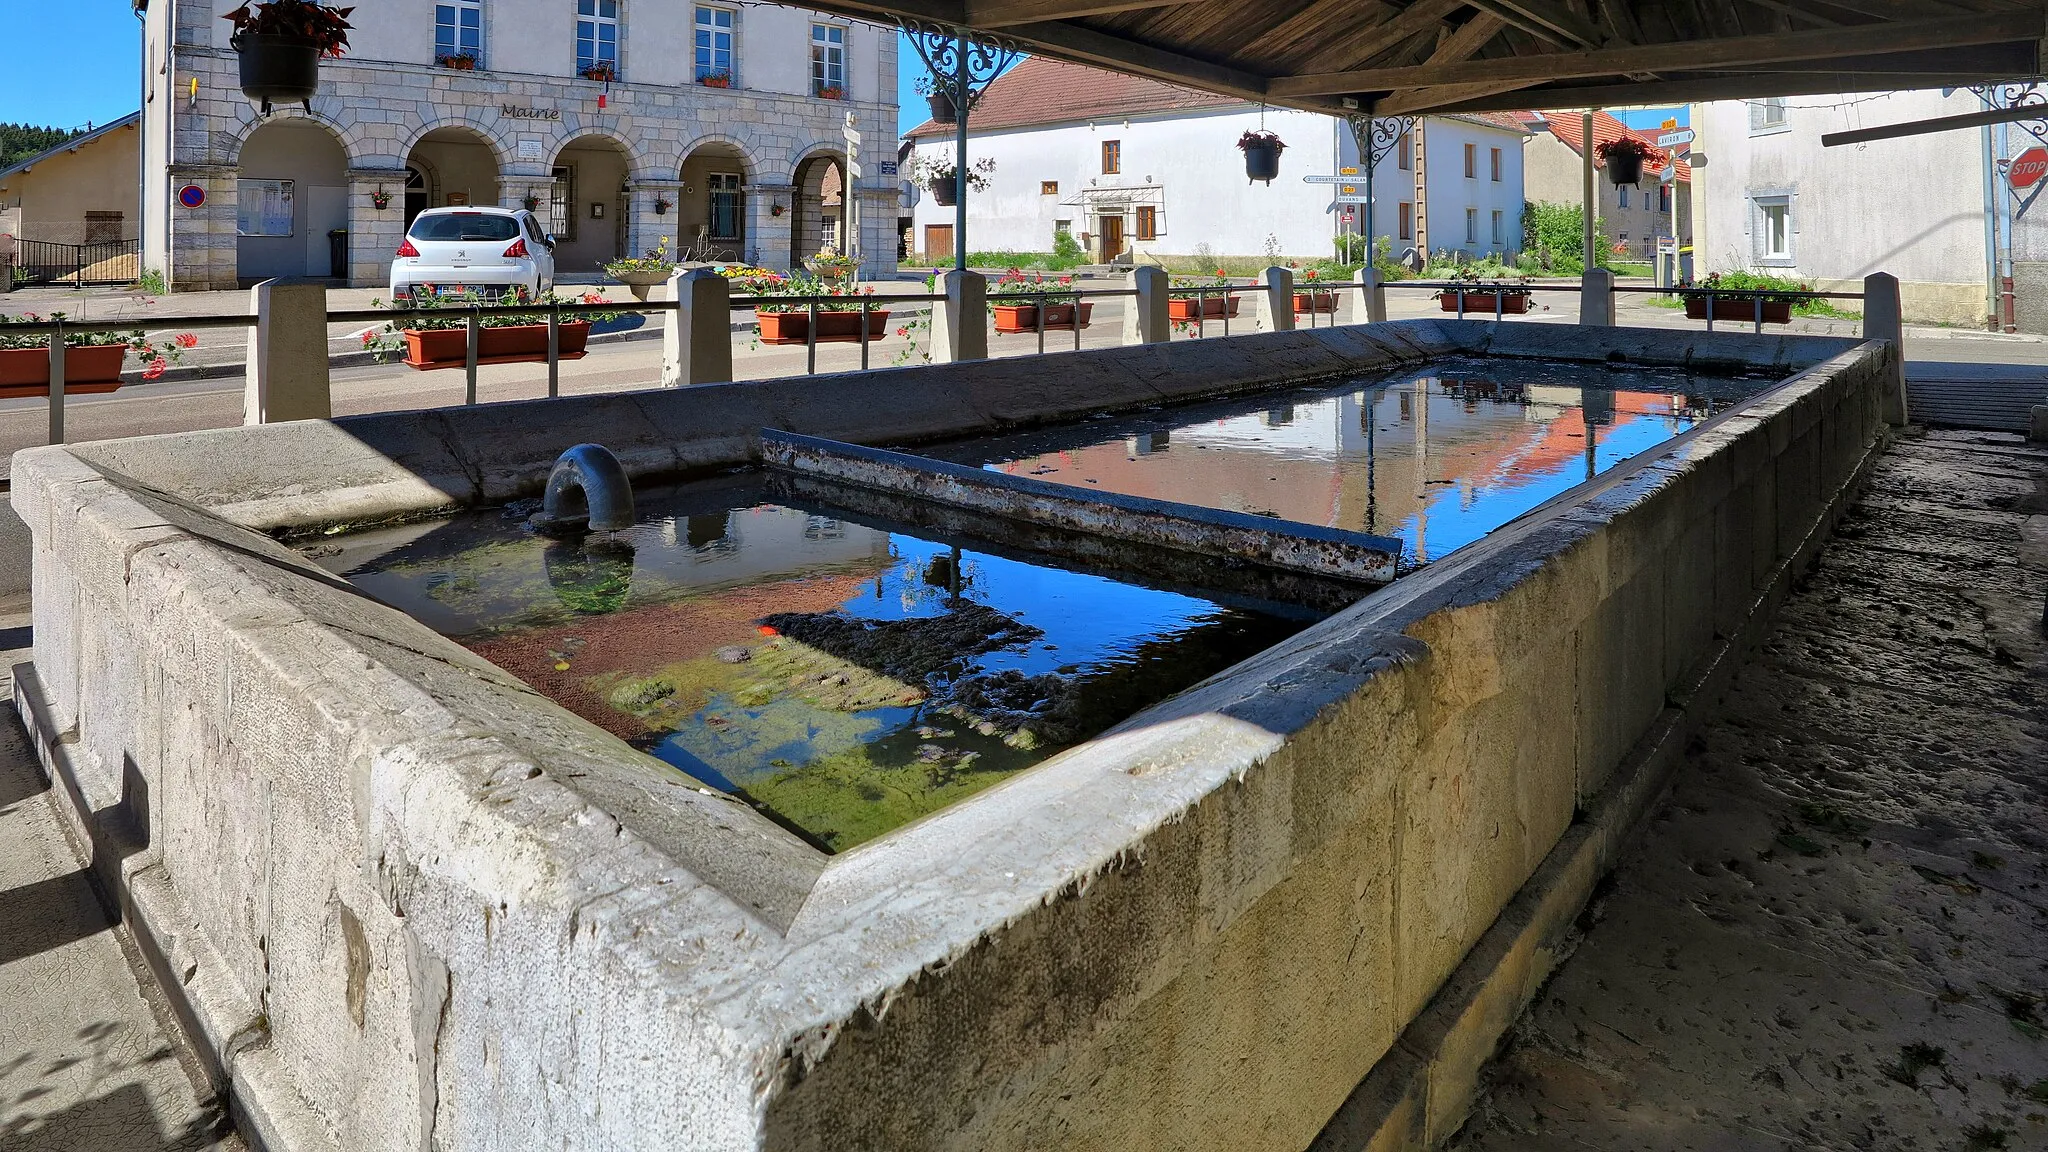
(1835, 933)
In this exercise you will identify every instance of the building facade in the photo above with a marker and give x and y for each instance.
(1134, 166)
(80, 192)
(1633, 217)
(1933, 209)
(724, 133)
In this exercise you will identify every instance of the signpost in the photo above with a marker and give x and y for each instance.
(849, 199)
(2028, 168)
(1675, 139)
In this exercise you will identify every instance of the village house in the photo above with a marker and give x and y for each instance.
(1134, 166)
(1633, 217)
(718, 127)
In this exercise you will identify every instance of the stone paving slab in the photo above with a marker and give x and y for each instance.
(86, 1063)
(1833, 935)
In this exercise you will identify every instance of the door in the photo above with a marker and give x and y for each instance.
(1112, 237)
(326, 209)
(938, 241)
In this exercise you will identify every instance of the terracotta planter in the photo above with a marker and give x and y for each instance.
(1305, 302)
(1014, 318)
(833, 327)
(1742, 311)
(1191, 308)
(280, 69)
(1482, 303)
(87, 369)
(716, 82)
(524, 343)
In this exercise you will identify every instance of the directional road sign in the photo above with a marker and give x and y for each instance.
(2028, 167)
(1351, 198)
(1328, 179)
(1674, 139)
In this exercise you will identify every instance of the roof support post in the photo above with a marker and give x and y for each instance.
(1592, 199)
(1276, 300)
(1883, 319)
(1147, 321)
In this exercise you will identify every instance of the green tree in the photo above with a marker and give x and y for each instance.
(1553, 237)
(18, 142)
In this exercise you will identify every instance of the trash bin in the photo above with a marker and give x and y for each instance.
(337, 253)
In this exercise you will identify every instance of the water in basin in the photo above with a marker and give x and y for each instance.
(1436, 455)
(843, 677)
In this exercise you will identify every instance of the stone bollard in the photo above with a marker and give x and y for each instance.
(696, 340)
(960, 321)
(1276, 302)
(287, 371)
(1596, 298)
(1146, 320)
(1884, 319)
(1367, 303)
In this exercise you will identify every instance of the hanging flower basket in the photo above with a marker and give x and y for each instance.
(280, 45)
(945, 193)
(1261, 155)
(1624, 158)
(943, 111)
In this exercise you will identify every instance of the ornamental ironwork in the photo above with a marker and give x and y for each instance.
(962, 60)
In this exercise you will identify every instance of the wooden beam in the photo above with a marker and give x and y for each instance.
(1748, 87)
(1087, 46)
(1377, 40)
(1545, 19)
(992, 14)
(1620, 18)
(1699, 56)
(1466, 42)
(1935, 124)
(1797, 13)
(1409, 101)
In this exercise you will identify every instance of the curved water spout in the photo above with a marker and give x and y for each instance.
(587, 489)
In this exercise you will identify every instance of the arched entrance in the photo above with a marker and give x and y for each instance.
(711, 212)
(820, 213)
(586, 210)
(454, 166)
(293, 191)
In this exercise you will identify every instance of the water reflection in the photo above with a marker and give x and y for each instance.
(1437, 459)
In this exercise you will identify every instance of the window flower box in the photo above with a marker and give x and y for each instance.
(718, 79)
(87, 369)
(835, 327)
(1742, 310)
(458, 61)
(1322, 301)
(603, 71)
(1511, 303)
(524, 343)
(1204, 307)
(831, 92)
(1015, 318)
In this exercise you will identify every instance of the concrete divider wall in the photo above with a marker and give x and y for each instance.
(406, 902)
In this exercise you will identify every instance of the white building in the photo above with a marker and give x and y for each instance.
(1130, 164)
(1770, 198)
(751, 171)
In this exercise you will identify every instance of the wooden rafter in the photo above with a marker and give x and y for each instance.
(996, 14)
(1546, 19)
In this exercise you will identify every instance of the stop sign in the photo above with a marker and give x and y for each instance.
(2028, 168)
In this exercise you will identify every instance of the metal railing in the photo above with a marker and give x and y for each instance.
(1757, 298)
(77, 265)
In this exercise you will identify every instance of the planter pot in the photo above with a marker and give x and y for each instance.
(280, 69)
(639, 282)
(944, 193)
(1262, 162)
(87, 369)
(1191, 308)
(660, 209)
(833, 327)
(1305, 302)
(1740, 311)
(715, 82)
(829, 273)
(524, 343)
(1482, 302)
(1624, 169)
(1014, 318)
(943, 110)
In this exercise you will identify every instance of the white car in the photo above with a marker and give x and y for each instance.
(489, 251)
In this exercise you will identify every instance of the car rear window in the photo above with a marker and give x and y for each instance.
(465, 226)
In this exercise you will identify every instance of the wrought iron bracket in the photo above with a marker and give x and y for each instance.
(963, 60)
(1378, 136)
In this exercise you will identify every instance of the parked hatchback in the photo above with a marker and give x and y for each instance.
(454, 251)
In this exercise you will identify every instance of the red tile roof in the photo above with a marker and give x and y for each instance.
(1039, 90)
(1567, 128)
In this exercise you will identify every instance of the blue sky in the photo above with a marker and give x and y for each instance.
(49, 88)
(1652, 117)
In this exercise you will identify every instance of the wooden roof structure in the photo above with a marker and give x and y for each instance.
(1391, 57)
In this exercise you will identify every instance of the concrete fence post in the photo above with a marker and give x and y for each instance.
(960, 321)
(696, 341)
(1367, 303)
(1884, 319)
(1596, 298)
(1276, 303)
(1146, 320)
(287, 376)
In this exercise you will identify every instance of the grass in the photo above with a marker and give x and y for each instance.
(1631, 269)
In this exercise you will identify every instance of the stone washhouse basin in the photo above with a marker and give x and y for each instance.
(401, 900)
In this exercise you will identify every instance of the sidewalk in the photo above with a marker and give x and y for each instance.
(1832, 934)
(86, 1064)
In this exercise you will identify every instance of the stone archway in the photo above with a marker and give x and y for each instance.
(459, 166)
(586, 209)
(711, 209)
(819, 211)
(293, 191)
